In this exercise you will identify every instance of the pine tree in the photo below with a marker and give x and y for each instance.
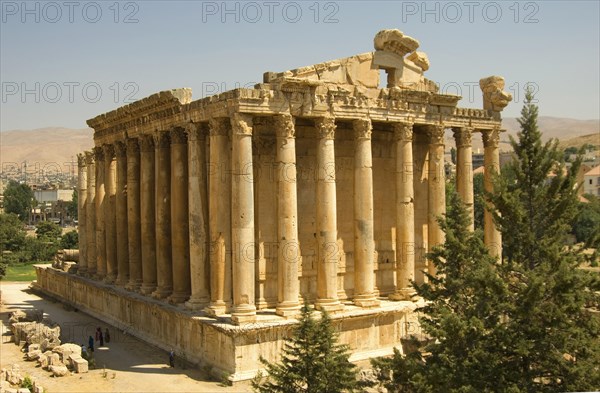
(554, 338)
(312, 361)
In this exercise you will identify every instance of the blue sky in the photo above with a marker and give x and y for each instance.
(64, 62)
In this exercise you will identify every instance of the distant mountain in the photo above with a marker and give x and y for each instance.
(61, 145)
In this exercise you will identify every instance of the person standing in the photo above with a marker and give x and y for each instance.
(172, 358)
(107, 336)
(99, 337)
(91, 343)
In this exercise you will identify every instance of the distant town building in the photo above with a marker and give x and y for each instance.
(591, 181)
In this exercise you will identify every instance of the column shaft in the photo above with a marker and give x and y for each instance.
(405, 212)
(147, 209)
(91, 214)
(437, 188)
(421, 188)
(82, 213)
(491, 160)
(198, 217)
(242, 220)
(464, 169)
(134, 229)
(164, 263)
(364, 240)
(219, 198)
(100, 217)
(121, 215)
(288, 252)
(110, 213)
(327, 248)
(179, 217)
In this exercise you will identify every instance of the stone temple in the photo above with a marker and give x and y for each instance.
(203, 224)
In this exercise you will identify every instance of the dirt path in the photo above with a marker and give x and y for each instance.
(131, 365)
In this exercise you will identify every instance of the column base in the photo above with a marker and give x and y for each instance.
(122, 281)
(133, 286)
(147, 289)
(109, 279)
(196, 303)
(329, 305)
(243, 313)
(161, 293)
(178, 297)
(287, 309)
(366, 301)
(216, 309)
(404, 294)
(82, 271)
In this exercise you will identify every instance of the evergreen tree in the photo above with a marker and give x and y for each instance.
(554, 338)
(311, 361)
(18, 199)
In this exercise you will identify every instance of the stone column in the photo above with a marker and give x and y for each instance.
(464, 169)
(100, 217)
(198, 217)
(91, 214)
(164, 263)
(121, 214)
(110, 214)
(82, 213)
(364, 240)
(327, 248)
(242, 219)
(288, 252)
(437, 188)
(134, 229)
(147, 211)
(405, 212)
(219, 215)
(421, 201)
(179, 217)
(491, 160)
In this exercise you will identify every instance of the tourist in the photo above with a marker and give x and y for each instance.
(107, 336)
(91, 343)
(99, 337)
(172, 358)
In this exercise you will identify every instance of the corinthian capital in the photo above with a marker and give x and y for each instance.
(218, 126)
(491, 138)
(133, 146)
(146, 143)
(109, 151)
(436, 134)
(178, 136)
(81, 160)
(362, 128)
(463, 135)
(195, 131)
(403, 131)
(162, 140)
(120, 149)
(89, 157)
(285, 126)
(99, 153)
(325, 127)
(241, 124)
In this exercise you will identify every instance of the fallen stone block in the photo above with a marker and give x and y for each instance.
(34, 355)
(33, 347)
(23, 390)
(54, 360)
(44, 360)
(59, 371)
(13, 375)
(65, 350)
(79, 364)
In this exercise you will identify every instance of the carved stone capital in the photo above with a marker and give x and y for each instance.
(146, 143)
(403, 131)
(109, 151)
(99, 153)
(133, 146)
(162, 140)
(178, 136)
(241, 124)
(89, 158)
(362, 128)
(81, 160)
(284, 126)
(195, 131)
(120, 149)
(463, 135)
(325, 127)
(436, 134)
(218, 126)
(491, 138)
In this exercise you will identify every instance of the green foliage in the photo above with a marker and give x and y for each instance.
(478, 202)
(27, 383)
(70, 240)
(311, 361)
(586, 225)
(18, 199)
(48, 231)
(72, 206)
(12, 233)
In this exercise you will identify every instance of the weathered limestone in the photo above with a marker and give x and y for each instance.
(82, 212)
(147, 220)
(288, 252)
(164, 262)
(90, 208)
(100, 217)
(464, 169)
(134, 228)
(110, 214)
(421, 189)
(121, 215)
(242, 219)
(179, 217)
(494, 98)
(364, 244)
(437, 187)
(198, 218)
(219, 216)
(327, 248)
(491, 161)
(405, 212)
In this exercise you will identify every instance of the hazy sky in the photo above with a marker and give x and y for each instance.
(64, 62)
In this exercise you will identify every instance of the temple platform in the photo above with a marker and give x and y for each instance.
(216, 344)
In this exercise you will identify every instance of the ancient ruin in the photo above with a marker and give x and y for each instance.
(204, 223)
